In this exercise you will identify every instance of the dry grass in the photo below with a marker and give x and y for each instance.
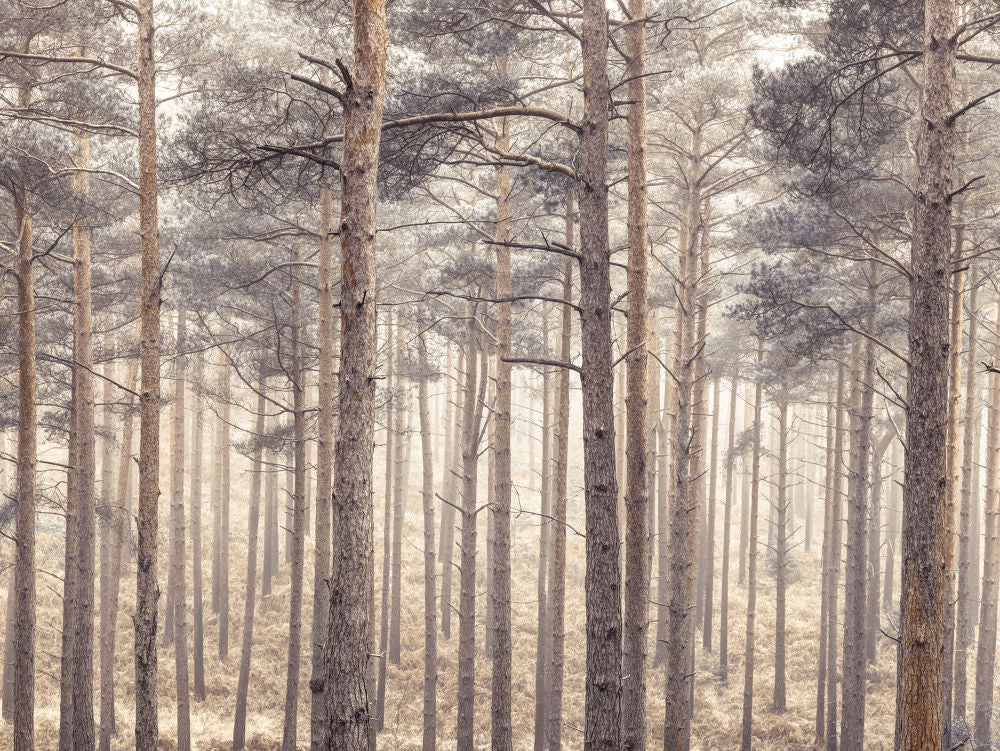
(718, 704)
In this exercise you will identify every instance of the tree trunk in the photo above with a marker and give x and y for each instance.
(828, 521)
(324, 468)
(874, 590)
(557, 580)
(197, 608)
(836, 517)
(270, 554)
(349, 639)
(708, 557)
(748, 657)
(70, 543)
(602, 710)
(178, 542)
(249, 602)
(430, 612)
(964, 604)
(925, 549)
(636, 617)
(542, 646)
(475, 394)
(986, 647)
(400, 484)
(147, 591)
(447, 550)
(500, 704)
(391, 446)
(781, 553)
(298, 527)
(224, 516)
(727, 535)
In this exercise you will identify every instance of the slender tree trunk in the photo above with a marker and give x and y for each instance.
(500, 704)
(298, 528)
(892, 533)
(400, 484)
(109, 627)
(964, 604)
(781, 554)
(178, 542)
(727, 534)
(447, 551)
(602, 704)
(926, 553)
(391, 446)
(249, 602)
(110, 538)
(874, 590)
(636, 618)
(217, 515)
(664, 463)
(70, 568)
(836, 517)
(430, 612)
(324, 468)
(748, 657)
(557, 581)
(146, 728)
(224, 516)
(349, 639)
(709, 554)
(828, 522)
(542, 646)
(986, 647)
(270, 555)
(197, 607)
(475, 394)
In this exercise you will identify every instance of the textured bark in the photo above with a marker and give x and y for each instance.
(852, 728)
(964, 602)
(178, 541)
(986, 647)
(146, 728)
(500, 699)
(836, 518)
(298, 526)
(349, 640)
(391, 444)
(249, 602)
(430, 612)
(780, 560)
(748, 656)
(602, 704)
(324, 467)
(557, 581)
(684, 512)
(636, 617)
(109, 609)
(197, 605)
(727, 534)
(925, 548)
(27, 456)
(475, 393)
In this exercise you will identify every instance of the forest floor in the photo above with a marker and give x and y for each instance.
(718, 704)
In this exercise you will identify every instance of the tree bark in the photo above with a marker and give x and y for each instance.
(925, 549)
(197, 606)
(542, 646)
(836, 517)
(748, 656)
(780, 560)
(828, 522)
(727, 534)
(430, 612)
(709, 554)
(349, 639)
(224, 391)
(178, 541)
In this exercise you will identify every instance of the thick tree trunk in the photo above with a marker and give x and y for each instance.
(178, 541)
(349, 640)
(986, 647)
(249, 602)
(925, 549)
(147, 591)
(500, 698)
(964, 604)
(748, 656)
(602, 704)
(636, 617)
(324, 468)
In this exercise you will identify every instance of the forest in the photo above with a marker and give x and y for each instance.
(499, 374)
